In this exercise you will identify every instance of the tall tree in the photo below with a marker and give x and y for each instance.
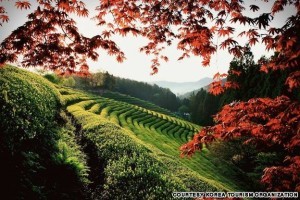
(109, 81)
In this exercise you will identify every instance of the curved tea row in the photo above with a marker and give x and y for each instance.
(160, 133)
(132, 116)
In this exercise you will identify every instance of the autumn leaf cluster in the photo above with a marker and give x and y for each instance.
(192, 23)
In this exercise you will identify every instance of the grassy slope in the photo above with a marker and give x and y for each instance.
(160, 133)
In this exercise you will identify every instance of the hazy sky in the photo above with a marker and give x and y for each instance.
(137, 65)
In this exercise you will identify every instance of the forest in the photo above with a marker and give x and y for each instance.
(252, 82)
(101, 82)
(67, 132)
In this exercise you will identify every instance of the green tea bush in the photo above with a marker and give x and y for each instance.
(135, 101)
(28, 106)
(39, 159)
(68, 167)
(123, 168)
(69, 151)
(244, 159)
(137, 177)
(129, 170)
(117, 134)
(191, 179)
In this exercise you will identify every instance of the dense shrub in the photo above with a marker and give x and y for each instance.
(39, 159)
(28, 106)
(121, 168)
(130, 172)
(143, 176)
(135, 101)
(53, 78)
(106, 143)
(69, 82)
(246, 157)
(235, 153)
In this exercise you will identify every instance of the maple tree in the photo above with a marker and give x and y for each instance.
(50, 38)
(269, 124)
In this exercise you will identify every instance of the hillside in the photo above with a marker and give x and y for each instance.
(135, 101)
(102, 81)
(58, 142)
(188, 94)
(184, 87)
(39, 155)
(159, 133)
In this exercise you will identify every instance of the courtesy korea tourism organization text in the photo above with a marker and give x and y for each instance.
(291, 195)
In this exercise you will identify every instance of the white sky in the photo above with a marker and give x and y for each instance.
(137, 65)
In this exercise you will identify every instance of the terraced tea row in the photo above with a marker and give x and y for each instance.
(68, 143)
(133, 117)
(159, 132)
(135, 101)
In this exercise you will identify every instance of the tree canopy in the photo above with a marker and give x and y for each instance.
(50, 37)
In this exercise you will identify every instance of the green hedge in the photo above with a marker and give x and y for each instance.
(120, 167)
(39, 156)
(105, 137)
(135, 101)
(28, 106)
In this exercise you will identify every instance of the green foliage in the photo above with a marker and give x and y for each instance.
(69, 82)
(39, 157)
(60, 80)
(190, 178)
(135, 101)
(234, 152)
(28, 106)
(44, 159)
(158, 134)
(69, 151)
(53, 78)
(100, 81)
(128, 169)
(252, 83)
(183, 109)
(68, 165)
(266, 159)
(160, 96)
(96, 80)
(247, 158)
(203, 106)
(143, 175)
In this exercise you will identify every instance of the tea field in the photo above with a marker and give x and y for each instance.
(60, 143)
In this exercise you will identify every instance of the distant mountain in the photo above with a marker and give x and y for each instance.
(206, 87)
(188, 94)
(184, 87)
